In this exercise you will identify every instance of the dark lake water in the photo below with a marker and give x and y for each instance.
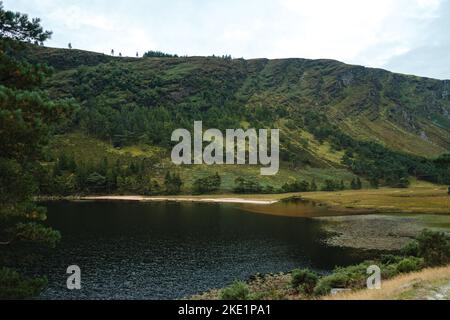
(136, 250)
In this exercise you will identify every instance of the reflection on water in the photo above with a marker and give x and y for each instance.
(292, 207)
(172, 250)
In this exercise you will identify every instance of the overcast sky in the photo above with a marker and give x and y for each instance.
(407, 36)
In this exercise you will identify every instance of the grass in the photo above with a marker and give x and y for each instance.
(362, 109)
(423, 285)
(433, 283)
(419, 198)
(90, 150)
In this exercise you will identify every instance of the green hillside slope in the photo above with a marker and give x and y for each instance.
(332, 116)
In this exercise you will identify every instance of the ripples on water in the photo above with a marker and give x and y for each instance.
(173, 250)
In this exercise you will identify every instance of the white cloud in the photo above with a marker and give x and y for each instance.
(74, 17)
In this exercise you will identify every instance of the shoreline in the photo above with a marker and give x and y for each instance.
(191, 199)
(356, 227)
(429, 199)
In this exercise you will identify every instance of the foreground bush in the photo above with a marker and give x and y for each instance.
(237, 291)
(304, 281)
(411, 249)
(430, 249)
(343, 278)
(410, 264)
(15, 286)
(434, 248)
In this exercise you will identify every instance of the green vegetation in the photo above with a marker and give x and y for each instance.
(298, 186)
(27, 116)
(159, 54)
(128, 103)
(430, 249)
(102, 125)
(142, 169)
(434, 248)
(304, 281)
(247, 186)
(15, 286)
(356, 184)
(237, 291)
(421, 197)
(209, 184)
(172, 183)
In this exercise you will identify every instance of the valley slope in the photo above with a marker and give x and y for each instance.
(334, 118)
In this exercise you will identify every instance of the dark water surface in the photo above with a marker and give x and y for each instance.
(130, 250)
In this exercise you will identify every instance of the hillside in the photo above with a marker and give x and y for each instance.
(337, 121)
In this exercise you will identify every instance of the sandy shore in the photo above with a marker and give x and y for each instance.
(178, 199)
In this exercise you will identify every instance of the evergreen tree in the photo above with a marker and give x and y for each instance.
(173, 183)
(26, 116)
(358, 183)
(374, 183)
(314, 185)
(208, 185)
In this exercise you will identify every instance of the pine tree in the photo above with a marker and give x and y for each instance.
(313, 187)
(25, 119)
(358, 183)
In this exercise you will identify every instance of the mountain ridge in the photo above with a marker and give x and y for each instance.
(131, 58)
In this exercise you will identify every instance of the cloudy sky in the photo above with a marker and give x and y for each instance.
(407, 36)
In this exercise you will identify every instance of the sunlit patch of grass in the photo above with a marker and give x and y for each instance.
(91, 150)
(413, 200)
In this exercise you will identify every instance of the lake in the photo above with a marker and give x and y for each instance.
(133, 250)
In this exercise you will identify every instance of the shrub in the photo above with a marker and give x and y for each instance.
(237, 291)
(352, 277)
(207, 185)
(389, 271)
(325, 284)
(410, 264)
(434, 248)
(244, 186)
(15, 286)
(304, 281)
(411, 249)
(390, 259)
